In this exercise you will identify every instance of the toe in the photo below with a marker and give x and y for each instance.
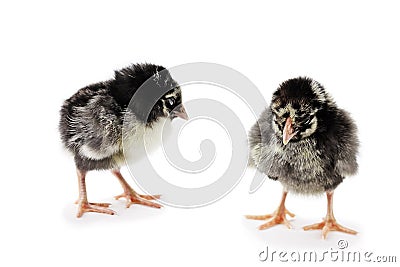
(343, 229)
(120, 196)
(259, 217)
(288, 225)
(325, 231)
(289, 213)
(147, 203)
(105, 205)
(267, 225)
(316, 226)
(150, 197)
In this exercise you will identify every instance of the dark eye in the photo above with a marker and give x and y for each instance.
(171, 101)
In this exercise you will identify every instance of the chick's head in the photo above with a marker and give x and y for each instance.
(296, 107)
(149, 92)
(170, 105)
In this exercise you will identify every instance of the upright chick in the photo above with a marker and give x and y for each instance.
(92, 120)
(307, 143)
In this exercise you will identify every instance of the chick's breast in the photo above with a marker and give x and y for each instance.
(309, 166)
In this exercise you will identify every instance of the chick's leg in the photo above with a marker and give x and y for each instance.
(83, 204)
(133, 197)
(329, 223)
(278, 217)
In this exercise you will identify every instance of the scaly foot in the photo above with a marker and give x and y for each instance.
(329, 225)
(278, 217)
(93, 207)
(134, 198)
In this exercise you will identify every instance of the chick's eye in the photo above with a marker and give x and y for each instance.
(171, 101)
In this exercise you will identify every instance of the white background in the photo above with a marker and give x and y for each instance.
(51, 49)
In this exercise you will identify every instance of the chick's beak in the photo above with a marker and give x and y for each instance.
(180, 112)
(288, 132)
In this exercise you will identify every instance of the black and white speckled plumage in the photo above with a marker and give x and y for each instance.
(92, 119)
(320, 155)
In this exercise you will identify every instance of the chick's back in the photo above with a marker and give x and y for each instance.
(91, 123)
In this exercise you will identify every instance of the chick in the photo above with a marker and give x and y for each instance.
(307, 143)
(92, 120)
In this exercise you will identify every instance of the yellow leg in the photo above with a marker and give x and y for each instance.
(133, 197)
(278, 217)
(83, 204)
(329, 223)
